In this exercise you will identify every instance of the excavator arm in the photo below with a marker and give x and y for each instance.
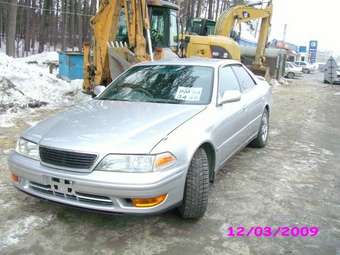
(240, 13)
(245, 13)
(137, 17)
(104, 25)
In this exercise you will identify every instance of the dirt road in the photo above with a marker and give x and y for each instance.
(294, 181)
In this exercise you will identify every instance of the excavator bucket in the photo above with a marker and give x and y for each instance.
(120, 55)
(120, 58)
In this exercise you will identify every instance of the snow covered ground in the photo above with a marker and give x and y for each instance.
(25, 84)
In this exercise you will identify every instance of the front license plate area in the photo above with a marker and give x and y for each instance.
(62, 186)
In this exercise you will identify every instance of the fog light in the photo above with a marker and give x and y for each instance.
(14, 178)
(148, 202)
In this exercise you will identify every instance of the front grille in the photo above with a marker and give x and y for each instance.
(77, 196)
(66, 159)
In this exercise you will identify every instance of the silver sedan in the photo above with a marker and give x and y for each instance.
(152, 140)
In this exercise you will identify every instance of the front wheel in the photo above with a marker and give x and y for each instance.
(263, 134)
(290, 75)
(195, 199)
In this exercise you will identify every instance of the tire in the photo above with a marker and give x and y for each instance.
(195, 199)
(262, 137)
(290, 75)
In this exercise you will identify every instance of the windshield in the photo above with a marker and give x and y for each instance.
(172, 84)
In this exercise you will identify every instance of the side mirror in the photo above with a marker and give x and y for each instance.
(230, 96)
(98, 90)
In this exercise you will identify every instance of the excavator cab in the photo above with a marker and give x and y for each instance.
(199, 26)
(163, 25)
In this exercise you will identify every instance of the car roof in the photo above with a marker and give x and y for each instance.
(194, 61)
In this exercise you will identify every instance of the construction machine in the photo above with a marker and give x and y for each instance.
(126, 32)
(223, 43)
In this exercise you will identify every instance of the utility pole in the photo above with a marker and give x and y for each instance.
(284, 33)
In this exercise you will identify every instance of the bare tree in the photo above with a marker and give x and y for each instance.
(210, 9)
(65, 24)
(11, 27)
(217, 9)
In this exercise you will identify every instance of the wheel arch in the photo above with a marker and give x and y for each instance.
(267, 107)
(211, 153)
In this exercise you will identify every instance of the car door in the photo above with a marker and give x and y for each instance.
(253, 100)
(230, 118)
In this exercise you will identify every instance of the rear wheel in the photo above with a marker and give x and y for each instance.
(262, 136)
(195, 199)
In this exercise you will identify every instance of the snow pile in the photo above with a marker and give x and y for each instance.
(275, 83)
(26, 83)
(284, 81)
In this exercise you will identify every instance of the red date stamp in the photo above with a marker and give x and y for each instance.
(274, 232)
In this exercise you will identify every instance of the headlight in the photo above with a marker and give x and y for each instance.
(136, 163)
(28, 149)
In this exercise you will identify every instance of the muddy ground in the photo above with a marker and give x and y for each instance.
(294, 181)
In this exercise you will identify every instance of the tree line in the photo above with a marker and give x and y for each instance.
(34, 26)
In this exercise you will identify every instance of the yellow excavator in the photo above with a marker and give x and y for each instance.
(126, 32)
(223, 43)
(131, 31)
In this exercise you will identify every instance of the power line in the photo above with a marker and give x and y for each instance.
(44, 9)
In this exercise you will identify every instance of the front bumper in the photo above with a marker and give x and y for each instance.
(299, 74)
(101, 191)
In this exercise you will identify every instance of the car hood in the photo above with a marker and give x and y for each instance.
(111, 126)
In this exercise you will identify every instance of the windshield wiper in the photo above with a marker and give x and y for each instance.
(113, 99)
(164, 101)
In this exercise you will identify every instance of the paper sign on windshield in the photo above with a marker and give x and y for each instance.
(188, 94)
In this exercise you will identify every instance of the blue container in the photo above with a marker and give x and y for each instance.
(70, 65)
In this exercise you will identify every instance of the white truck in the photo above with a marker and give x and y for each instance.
(331, 72)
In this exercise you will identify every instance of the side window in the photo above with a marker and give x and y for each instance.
(122, 35)
(173, 30)
(228, 80)
(246, 81)
(158, 26)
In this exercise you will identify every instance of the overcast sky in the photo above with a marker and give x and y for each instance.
(308, 20)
